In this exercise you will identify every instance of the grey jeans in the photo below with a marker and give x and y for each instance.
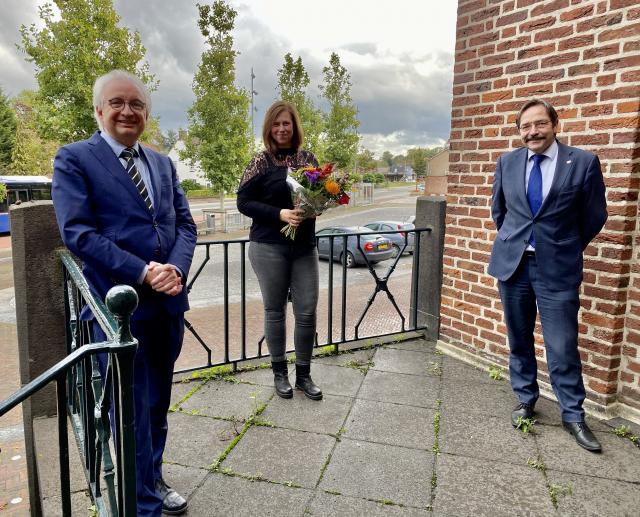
(280, 268)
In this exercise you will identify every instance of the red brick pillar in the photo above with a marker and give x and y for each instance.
(584, 58)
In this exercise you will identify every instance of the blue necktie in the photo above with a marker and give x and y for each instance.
(534, 189)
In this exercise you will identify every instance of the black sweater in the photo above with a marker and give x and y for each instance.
(264, 192)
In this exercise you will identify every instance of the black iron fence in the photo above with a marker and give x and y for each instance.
(84, 399)
(220, 277)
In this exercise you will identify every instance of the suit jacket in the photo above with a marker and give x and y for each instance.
(571, 215)
(104, 221)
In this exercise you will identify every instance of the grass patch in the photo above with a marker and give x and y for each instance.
(557, 491)
(624, 431)
(361, 365)
(526, 425)
(436, 428)
(435, 368)
(495, 372)
(536, 464)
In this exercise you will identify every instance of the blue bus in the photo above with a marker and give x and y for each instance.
(19, 190)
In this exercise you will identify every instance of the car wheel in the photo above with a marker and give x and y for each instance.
(396, 250)
(351, 261)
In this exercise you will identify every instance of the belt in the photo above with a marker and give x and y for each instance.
(529, 253)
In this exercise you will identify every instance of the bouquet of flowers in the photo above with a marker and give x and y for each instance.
(314, 190)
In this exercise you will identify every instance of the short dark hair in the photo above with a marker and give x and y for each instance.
(274, 111)
(551, 111)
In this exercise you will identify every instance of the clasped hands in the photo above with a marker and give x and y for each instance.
(164, 278)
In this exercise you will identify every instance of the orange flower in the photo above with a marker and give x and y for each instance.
(332, 187)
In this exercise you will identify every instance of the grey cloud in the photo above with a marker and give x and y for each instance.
(362, 48)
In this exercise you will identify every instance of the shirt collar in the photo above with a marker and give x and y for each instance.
(116, 146)
(551, 152)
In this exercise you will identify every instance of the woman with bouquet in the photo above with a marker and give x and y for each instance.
(280, 263)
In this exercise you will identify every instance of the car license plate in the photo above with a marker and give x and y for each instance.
(383, 246)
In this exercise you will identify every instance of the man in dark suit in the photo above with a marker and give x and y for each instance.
(121, 210)
(548, 204)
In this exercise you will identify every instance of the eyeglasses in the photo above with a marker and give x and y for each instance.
(119, 104)
(540, 124)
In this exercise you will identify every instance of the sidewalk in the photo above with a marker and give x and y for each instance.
(402, 431)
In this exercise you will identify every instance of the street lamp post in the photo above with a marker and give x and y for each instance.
(253, 109)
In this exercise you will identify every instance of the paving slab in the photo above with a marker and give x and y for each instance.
(181, 389)
(261, 376)
(376, 471)
(476, 436)
(477, 398)
(471, 487)
(325, 416)
(455, 369)
(331, 505)
(81, 504)
(227, 399)
(281, 455)
(619, 460)
(222, 495)
(405, 361)
(391, 424)
(197, 441)
(337, 380)
(595, 497)
(415, 390)
(185, 480)
(548, 413)
(358, 356)
(415, 345)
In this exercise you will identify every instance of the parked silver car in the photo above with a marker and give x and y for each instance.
(398, 239)
(375, 247)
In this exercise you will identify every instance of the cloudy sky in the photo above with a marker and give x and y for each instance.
(399, 55)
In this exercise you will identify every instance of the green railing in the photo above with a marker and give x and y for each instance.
(85, 397)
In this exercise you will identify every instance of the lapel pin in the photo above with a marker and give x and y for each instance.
(568, 162)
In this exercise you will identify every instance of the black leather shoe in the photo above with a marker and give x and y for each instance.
(583, 435)
(281, 379)
(522, 410)
(304, 382)
(172, 502)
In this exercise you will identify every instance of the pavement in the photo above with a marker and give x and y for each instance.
(402, 430)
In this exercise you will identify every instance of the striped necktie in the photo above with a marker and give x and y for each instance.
(129, 154)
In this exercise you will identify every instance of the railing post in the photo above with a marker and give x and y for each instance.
(122, 301)
(430, 213)
(37, 279)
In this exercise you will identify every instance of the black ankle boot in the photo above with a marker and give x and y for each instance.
(281, 379)
(304, 382)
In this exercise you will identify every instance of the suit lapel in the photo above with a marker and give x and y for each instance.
(519, 166)
(106, 157)
(564, 166)
(154, 174)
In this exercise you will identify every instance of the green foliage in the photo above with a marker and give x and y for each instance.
(366, 161)
(293, 81)
(31, 155)
(526, 425)
(556, 491)
(8, 125)
(373, 177)
(624, 431)
(219, 138)
(495, 372)
(536, 464)
(387, 158)
(341, 123)
(153, 136)
(69, 52)
(417, 158)
(188, 185)
(3, 192)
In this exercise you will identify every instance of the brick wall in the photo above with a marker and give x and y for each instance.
(583, 57)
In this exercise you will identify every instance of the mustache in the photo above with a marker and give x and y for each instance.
(533, 138)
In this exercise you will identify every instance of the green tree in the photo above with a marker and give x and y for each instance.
(31, 155)
(69, 52)
(3, 192)
(417, 158)
(293, 81)
(366, 161)
(387, 159)
(170, 139)
(341, 122)
(219, 137)
(8, 124)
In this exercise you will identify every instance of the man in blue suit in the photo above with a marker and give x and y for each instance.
(121, 210)
(548, 204)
